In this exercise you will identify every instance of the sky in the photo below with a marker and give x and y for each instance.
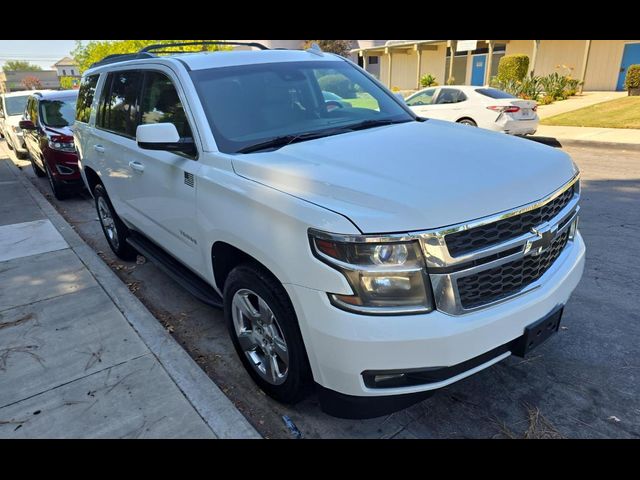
(41, 52)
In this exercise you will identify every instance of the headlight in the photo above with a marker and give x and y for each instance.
(388, 277)
(62, 146)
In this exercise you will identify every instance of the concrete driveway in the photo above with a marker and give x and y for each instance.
(583, 383)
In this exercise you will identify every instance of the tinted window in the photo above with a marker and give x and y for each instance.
(31, 112)
(161, 103)
(494, 93)
(16, 105)
(85, 98)
(58, 113)
(119, 108)
(450, 95)
(423, 98)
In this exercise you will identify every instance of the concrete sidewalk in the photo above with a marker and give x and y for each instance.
(80, 356)
(590, 136)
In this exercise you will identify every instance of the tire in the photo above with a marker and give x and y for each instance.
(252, 283)
(115, 231)
(22, 155)
(467, 121)
(58, 190)
(36, 169)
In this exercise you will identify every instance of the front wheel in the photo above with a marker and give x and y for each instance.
(468, 122)
(36, 169)
(58, 191)
(265, 333)
(113, 228)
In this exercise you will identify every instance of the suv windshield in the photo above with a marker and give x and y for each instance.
(15, 105)
(256, 107)
(58, 113)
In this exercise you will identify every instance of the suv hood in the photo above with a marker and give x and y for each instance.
(412, 176)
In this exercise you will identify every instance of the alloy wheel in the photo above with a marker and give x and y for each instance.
(109, 225)
(260, 336)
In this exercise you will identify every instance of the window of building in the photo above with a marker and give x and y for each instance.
(64, 72)
(119, 105)
(373, 60)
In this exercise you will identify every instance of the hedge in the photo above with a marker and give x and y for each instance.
(632, 79)
(513, 67)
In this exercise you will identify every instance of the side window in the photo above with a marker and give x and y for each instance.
(424, 98)
(85, 98)
(1, 107)
(450, 95)
(32, 110)
(119, 106)
(161, 103)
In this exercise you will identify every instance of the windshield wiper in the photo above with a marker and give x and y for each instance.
(284, 140)
(374, 123)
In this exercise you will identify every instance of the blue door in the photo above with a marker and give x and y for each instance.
(477, 71)
(631, 56)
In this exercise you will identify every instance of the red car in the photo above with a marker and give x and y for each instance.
(46, 124)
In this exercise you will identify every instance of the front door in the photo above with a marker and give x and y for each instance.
(162, 194)
(630, 56)
(477, 72)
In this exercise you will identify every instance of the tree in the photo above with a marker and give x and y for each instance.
(31, 83)
(20, 66)
(341, 47)
(96, 50)
(67, 83)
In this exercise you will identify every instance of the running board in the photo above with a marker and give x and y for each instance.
(178, 272)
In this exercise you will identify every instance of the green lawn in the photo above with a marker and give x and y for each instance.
(364, 100)
(620, 113)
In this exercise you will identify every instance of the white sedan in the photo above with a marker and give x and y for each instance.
(483, 107)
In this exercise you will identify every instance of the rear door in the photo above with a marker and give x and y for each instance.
(83, 128)
(114, 137)
(447, 105)
(162, 193)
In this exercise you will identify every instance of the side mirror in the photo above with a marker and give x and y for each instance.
(400, 97)
(163, 136)
(26, 125)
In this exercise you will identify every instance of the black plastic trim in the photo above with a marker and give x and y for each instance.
(191, 282)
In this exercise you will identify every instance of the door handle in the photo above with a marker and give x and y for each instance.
(98, 148)
(137, 166)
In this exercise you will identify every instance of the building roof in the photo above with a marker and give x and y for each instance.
(65, 61)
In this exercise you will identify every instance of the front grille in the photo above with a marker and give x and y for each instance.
(509, 278)
(469, 240)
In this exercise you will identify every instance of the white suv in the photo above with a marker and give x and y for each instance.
(359, 249)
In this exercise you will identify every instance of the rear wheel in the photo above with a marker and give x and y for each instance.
(467, 121)
(113, 228)
(265, 333)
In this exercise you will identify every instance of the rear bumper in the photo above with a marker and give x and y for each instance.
(520, 127)
(343, 346)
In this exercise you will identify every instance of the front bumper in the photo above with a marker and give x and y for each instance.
(341, 345)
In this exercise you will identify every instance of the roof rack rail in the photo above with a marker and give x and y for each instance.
(121, 57)
(203, 42)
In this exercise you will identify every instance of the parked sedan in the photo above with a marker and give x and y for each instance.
(483, 107)
(47, 123)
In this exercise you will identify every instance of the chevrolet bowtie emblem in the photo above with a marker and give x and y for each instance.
(546, 236)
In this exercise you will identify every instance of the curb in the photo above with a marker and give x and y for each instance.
(217, 411)
(560, 142)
